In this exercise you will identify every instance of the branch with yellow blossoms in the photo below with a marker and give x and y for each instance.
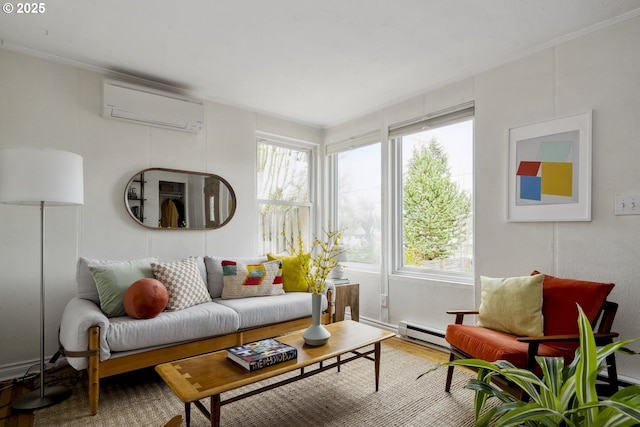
(321, 258)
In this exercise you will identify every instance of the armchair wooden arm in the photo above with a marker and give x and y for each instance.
(534, 342)
(460, 314)
(600, 337)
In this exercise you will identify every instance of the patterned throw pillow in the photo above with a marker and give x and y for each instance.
(242, 280)
(183, 282)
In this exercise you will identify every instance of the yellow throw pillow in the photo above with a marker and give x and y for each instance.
(292, 275)
(512, 305)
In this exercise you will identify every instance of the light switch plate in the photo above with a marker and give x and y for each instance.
(627, 204)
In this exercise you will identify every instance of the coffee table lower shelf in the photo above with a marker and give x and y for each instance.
(212, 374)
(217, 402)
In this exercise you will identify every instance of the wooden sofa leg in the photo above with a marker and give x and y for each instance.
(94, 374)
(447, 384)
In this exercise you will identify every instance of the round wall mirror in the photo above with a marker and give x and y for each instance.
(179, 200)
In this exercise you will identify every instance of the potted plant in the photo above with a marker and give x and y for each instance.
(564, 396)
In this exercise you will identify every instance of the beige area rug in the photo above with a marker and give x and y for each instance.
(346, 398)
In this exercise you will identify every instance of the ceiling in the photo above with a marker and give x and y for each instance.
(319, 62)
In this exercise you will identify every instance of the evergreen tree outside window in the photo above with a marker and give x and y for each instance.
(435, 215)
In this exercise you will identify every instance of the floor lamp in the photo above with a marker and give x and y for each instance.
(39, 177)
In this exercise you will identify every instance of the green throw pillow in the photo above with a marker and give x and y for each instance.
(113, 280)
(292, 276)
(512, 305)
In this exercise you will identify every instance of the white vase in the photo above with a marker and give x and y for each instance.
(316, 334)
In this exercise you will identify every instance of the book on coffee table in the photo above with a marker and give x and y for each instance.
(260, 354)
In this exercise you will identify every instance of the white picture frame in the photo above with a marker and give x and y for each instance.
(550, 170)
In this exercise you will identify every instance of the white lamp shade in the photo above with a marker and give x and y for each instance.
(29, 176)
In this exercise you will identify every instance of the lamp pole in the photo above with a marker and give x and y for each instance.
(31, 176)
(45, 396)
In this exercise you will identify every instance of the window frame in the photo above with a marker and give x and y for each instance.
(435, 120)
(299, 145)
(332, 151)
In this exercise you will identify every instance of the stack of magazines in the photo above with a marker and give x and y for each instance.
(260, 354)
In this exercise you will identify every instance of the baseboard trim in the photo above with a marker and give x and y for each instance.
(19, 370)
(381, 325)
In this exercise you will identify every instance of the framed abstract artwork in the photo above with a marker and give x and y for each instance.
(550, 170)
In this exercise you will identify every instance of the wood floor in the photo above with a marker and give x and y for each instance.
(9, 391)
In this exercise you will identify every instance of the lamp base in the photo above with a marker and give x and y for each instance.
(337, 272)
(33, 400)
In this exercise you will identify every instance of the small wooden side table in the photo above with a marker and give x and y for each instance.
(347, 295)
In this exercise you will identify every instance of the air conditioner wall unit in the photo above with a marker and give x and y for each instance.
(150, 107)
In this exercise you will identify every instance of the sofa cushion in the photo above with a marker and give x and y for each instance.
(145, 298)
(112, 281)
(512, 305)
(293, 279)
(251, 280)
(171, 327)
(85, 283)
(215, 281)
(491, 345)
(183, 282)
(272, 309)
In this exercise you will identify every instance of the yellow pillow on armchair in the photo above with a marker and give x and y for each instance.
(512, 305)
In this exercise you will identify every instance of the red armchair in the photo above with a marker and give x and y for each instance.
(560, 335)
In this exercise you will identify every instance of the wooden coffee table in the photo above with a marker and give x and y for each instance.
(212, 374)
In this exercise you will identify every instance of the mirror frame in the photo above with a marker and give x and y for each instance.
(204, 174)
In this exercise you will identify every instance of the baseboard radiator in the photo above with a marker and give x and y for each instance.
(422, 334)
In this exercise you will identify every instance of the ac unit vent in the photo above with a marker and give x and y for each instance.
(145, 106)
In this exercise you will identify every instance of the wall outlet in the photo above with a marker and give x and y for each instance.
(384, 300)
(627, 204)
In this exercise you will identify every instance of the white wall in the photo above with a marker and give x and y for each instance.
(599, 72)
(45, 103)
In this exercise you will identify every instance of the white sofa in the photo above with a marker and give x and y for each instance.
(108, 346)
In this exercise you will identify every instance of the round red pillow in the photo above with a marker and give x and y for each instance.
(145, 298)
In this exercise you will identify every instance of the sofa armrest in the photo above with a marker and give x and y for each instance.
(78, 316)
(461, 313)
(330, 286)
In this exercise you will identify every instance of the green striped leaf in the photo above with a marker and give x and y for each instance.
(625, 413)
(552, 374)
(587, 367)
(532, 412)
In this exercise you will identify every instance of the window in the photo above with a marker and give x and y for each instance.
(357, 180)
(284, 194)
(433, 220)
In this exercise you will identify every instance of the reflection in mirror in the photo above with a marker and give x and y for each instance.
(175, 199)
